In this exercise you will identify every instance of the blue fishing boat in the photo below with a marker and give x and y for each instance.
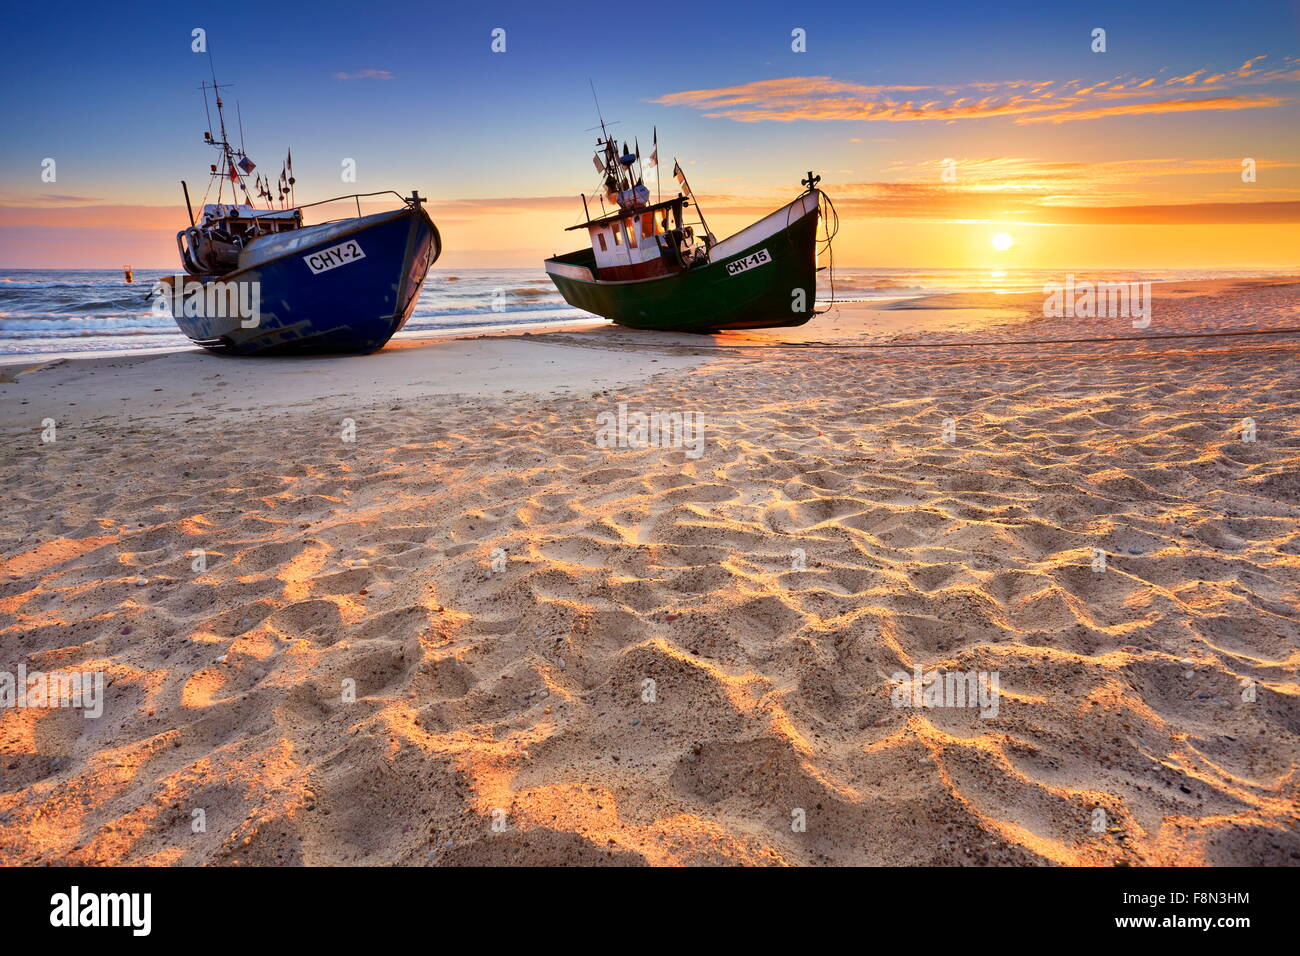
(261, 281)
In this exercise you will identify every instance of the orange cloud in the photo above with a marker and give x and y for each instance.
(1142, 191)
(787, 99)
(95, 216)
(1161, 106)
(947, 204)
(47, 234)
(1179, 214)
(508, 206)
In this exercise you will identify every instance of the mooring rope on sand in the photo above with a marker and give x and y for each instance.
(950, 345)
(702, 350)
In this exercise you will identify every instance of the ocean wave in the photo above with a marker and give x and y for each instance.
(487, 295)
(422, 310)
(82, 310)
(57, 323)
(8, 285)
(477, 321)
(96, 305)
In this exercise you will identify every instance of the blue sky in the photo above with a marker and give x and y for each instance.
(110, 91)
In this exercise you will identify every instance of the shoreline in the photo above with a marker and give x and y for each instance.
(1011, 301)
(500, 361)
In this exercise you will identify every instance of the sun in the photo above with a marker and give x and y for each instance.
(1002, 241)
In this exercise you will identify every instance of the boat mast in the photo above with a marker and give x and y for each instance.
(228, 169)
(611, 163)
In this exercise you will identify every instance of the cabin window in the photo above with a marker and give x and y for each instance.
(648, 225)
(617, 240)
(600, 236)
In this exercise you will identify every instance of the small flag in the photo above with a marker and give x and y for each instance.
(654, 156)
(681, 178)
(595, 161)
(247, 165)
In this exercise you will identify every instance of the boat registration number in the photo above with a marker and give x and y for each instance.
(749, 262)
(334, 256)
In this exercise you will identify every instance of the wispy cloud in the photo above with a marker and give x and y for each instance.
(365, 75)
(507, 205)
(1160, 106)
(927, 202)
(1022, 189)
(1024, 101)
(48, 199)
(1108, 182)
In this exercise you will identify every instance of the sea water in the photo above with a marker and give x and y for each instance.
(91, 310)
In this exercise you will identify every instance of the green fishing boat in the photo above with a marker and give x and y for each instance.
(650, 267)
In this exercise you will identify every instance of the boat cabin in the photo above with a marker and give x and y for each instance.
(643, 241)
(240, 219)
(212, 247)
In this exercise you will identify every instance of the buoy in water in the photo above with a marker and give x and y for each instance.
(127, 271)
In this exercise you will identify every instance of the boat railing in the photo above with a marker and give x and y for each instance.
(412, 200)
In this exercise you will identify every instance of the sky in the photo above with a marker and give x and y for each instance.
(936, 127)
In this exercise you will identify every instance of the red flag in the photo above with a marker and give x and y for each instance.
(681, 178)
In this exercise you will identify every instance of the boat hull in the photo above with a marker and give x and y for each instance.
(764, 280)
(312, 300)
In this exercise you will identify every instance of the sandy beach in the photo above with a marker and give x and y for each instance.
(409, 608)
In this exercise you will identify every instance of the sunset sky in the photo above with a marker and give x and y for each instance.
(1131, 158)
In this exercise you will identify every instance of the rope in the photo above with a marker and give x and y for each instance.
(825, 243)
(948, 345)
(831, 233)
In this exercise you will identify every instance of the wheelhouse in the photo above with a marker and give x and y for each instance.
(213, 245)
(644, 241)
